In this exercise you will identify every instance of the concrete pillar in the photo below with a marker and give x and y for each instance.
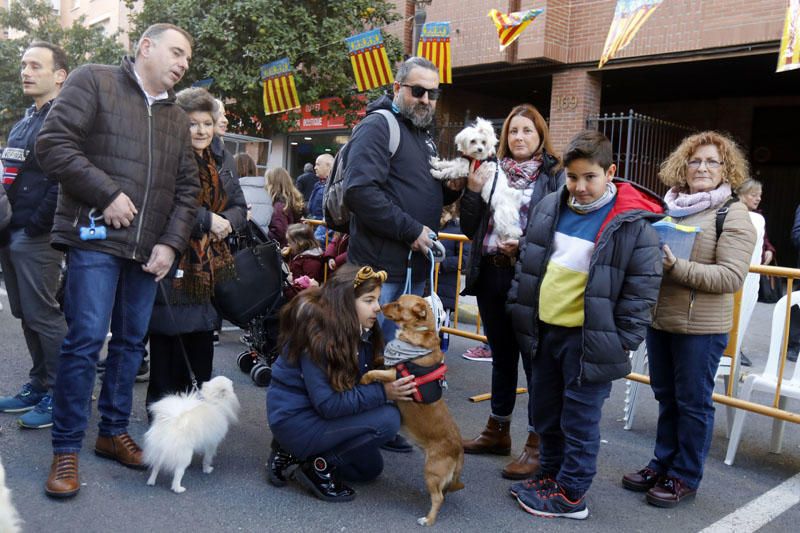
(575, 95)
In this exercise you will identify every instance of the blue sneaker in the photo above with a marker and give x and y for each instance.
(550, 501)
(40, 417)
(25, 400)
(538, 481)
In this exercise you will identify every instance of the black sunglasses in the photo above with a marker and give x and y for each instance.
(419, 92)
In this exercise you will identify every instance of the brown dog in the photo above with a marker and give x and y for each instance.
(430, 425)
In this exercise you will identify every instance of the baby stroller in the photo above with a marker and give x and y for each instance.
(253, 299)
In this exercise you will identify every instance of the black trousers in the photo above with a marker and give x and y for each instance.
(491, 291)
(168, 372)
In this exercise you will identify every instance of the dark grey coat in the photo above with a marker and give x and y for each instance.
(100, 139)
(622, 287)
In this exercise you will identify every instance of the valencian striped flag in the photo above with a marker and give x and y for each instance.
(434, 45)
(280, 94)
(369, 60)
(629, 16)
(789, 58)
(510, 26)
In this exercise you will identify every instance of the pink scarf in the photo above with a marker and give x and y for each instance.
(681, 204)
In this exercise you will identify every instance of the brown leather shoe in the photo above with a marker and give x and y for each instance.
(63, 479)
(669, 492)
(493, 439)
(527, 464)
(641, 481)
(121, 448)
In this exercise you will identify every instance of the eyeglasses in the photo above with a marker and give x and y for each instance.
(711, 164)
(419, 92)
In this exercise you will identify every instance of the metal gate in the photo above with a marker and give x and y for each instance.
(640, 144)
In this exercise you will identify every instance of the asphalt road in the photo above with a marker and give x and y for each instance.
(236, 496)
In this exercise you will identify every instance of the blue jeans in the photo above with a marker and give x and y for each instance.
(682, 369)
(100, 289)
(389, 293)
(567, 411)
(350, 443)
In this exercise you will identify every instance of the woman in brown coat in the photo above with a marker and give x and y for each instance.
(694, 311)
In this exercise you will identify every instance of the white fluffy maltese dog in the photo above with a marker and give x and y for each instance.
(9, 519)
(478, 146)
(187, 423)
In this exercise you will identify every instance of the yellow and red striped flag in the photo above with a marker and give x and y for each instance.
(280, 94)
(789, 58)
(369, 60)
(434, 45)
(629, 16)
(510, 26)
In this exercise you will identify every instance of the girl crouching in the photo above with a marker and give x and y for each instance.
(319, 414)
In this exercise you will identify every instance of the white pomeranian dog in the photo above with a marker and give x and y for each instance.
(9, 519)
(187, 423)
(478, 146)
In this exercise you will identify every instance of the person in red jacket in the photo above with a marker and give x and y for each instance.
(336, 252)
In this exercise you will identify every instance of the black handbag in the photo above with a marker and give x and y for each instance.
(771, 288)
(257, 287)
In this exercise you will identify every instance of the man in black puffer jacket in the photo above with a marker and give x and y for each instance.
(588, 276)
(121, 150)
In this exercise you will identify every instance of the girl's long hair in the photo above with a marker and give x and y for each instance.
(281, 189)
(322, 324)
(302, 235)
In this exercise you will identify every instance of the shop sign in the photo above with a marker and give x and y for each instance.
(311, 121)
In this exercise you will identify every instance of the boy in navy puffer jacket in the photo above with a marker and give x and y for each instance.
(588, 276)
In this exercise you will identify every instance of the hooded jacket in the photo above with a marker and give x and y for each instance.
(622, 286)
(100, 139)
(391, 198)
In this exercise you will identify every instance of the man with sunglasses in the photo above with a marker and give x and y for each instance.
(395, 202)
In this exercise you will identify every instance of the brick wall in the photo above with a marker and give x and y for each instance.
(574, 31)
(576, 94)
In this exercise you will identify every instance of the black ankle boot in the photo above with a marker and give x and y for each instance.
(279, 461)
(319, 478)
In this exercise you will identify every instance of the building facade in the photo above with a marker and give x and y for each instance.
(695, 64)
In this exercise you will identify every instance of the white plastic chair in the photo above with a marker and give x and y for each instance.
(768, 382)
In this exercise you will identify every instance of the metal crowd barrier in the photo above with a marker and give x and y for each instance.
(732, 351)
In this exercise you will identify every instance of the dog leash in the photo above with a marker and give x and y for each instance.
(195, 388)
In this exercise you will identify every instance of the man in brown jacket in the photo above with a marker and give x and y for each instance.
(121, 152)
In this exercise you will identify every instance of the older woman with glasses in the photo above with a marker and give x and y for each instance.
(185, 321)
(694, 311)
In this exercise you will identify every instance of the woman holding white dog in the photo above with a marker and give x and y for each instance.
(319, 414)
(188, 320)
(526, 156)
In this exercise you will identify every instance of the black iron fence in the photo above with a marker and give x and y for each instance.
(640, 144)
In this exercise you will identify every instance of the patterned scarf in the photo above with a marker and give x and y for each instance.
(680, 204)
(205, 262)
(520, 175)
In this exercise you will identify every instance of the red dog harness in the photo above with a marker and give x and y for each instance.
(430, 380)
